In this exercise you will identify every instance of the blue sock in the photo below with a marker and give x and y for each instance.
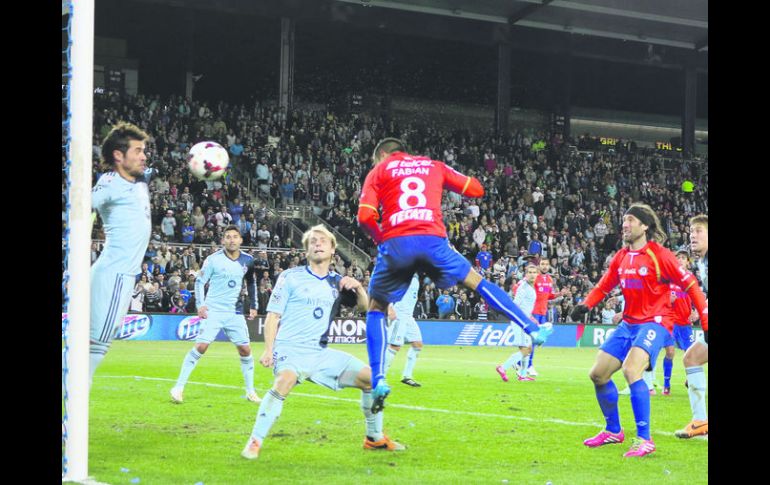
(640, 403)
(376, 344)
(500, 301)
(532, 357)
(668, 367)
(607, 395)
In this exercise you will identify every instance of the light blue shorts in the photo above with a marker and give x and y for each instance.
(324, 366)
(233, 324)
(404, 329)
(520, 337)
(110, 298)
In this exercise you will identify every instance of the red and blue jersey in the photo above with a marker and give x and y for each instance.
(406, 191)
(644, 276)
(544, 289)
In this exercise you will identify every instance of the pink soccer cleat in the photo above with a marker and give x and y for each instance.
(666, 391)
(640, 447)
(525, 378)
(605, 438)
(502, 373)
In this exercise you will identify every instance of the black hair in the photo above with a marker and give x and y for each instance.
(388, 145)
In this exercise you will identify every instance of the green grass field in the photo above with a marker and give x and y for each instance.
(463, 426)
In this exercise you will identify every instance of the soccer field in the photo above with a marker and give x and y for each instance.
(463, 426)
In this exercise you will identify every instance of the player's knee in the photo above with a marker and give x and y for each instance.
(597, 378)
(284, 382)
(244, 350)
(201, 348)
(695, 356)
(395, 348)
(631, 373)
(417, 345)
(670, 351)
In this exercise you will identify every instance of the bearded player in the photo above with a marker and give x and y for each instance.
(643, 268)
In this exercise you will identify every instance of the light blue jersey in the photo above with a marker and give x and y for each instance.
(125, 211)
(306, 304)
(405, 307)
(525, 297)
(225, 278)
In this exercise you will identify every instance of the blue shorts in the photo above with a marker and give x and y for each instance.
(683, 336)
(541, 319)
(651, 337)
(400, 257)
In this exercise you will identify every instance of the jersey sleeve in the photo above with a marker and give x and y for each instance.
(461, 183)
(200, 283)
(280, 297)
(368, 207)
(251, 285)
(101, 194)
(609, 280)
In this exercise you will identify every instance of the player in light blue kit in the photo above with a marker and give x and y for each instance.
(122, 199)
(525, 298)
(224, 271)
(403, 328)
(304, 301)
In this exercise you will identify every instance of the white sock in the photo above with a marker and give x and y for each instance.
(511, 361)
(269, 410)
(411, 359)
(373, 421)
(247, 368)
(97, 353)
(188, 364)
(696, 382)
(525, 365)
(390, 354)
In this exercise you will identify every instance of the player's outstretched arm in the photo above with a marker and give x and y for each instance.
(461, 183)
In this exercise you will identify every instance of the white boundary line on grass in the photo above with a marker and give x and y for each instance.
(395, 405)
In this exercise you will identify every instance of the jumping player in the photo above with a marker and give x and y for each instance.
(122, 199)
(643, 268)
(406, 191)
(698, 353)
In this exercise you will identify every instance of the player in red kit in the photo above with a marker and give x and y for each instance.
(545, 291)
(643, 268)
(679, 323)
(404, 192)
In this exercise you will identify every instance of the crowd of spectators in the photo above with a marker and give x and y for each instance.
(546, 196)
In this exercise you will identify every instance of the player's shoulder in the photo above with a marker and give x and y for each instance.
(246, 257)
(296, 272)
(215, 255)
(107, 179)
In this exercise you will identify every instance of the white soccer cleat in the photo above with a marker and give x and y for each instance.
(176, 394)
(531, 371)
(253, 397)
(251, 451)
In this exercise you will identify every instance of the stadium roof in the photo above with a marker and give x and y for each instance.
(664, 33)
(682, 24)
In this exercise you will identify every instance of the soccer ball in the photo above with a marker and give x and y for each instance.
(207, 160)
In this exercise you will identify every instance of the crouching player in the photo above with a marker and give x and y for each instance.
(303, 301)
(643, 268)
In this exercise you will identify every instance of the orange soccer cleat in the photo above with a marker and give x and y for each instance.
(385, 443)
(696, 427)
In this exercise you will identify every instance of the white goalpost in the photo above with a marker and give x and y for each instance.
(77, 328)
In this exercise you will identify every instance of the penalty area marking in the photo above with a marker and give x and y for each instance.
(392, 405)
